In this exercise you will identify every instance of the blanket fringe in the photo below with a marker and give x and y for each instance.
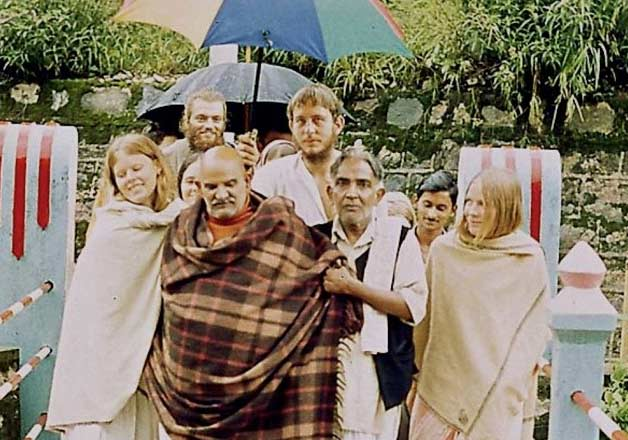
(343, 352)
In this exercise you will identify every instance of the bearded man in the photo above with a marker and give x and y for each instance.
(203, 123)
(315, 119)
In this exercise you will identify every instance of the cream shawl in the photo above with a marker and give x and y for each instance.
(488, 325)
(110, 314)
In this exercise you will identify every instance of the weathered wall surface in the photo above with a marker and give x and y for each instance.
(595, 167)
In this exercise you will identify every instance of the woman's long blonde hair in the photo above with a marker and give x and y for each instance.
(136, 144)
(503, 205)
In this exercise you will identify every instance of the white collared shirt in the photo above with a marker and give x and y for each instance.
(289, 177)
(363, 410)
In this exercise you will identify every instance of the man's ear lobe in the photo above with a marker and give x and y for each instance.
(329, 189)
(380, 194)
(340, 122)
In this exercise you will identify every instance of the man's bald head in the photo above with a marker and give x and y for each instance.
(225, 185)
(220, 156)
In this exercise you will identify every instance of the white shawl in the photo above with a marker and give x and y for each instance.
(110, 316)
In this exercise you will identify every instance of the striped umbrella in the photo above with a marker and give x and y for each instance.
(323, 29)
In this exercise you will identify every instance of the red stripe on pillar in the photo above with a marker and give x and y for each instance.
(509, 153)
(536, 193)
(487, 160)
(43, 182)
(19, 193)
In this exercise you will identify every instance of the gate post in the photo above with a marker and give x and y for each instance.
(582, 320)
(38, 172)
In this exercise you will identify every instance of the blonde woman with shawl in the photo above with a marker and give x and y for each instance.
(488, 321)
(114, 300)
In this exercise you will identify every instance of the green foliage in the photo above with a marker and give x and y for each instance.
(560, 52)
(615, 397)
(540, 58)
(76, 38)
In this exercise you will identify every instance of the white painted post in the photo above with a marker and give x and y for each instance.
(582, 320)
(224, 53)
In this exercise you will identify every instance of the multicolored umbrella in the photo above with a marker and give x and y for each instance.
(323, 29)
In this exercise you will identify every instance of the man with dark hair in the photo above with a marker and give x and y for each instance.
(315, 119)
(247, 345)
(388, 277)
(203, 124)
(435, 208)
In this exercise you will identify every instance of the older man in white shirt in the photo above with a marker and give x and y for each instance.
(315, 119)
(377, 364)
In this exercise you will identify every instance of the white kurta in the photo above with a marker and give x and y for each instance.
(290, 178)
(363, 414)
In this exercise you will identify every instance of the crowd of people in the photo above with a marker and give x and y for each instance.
(224, 295)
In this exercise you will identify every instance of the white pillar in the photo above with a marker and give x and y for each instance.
(224, 53)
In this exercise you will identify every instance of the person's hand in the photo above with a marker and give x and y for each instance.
(247, 148)
(339, 280)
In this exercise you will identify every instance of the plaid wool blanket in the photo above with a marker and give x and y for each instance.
(247, 346)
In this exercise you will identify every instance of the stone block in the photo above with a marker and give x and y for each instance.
(447, 157)
(25, 93)
(394, 182)
(572, 163)
(109, 100)
(366, 105)
(405, 112)
(494, 117)
(596, 118)
(599, 163)
(438, 113)
(607, 190)
(461, 115)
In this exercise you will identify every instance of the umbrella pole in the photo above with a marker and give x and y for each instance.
(258, 74)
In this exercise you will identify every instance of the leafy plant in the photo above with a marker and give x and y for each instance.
(615, 397)
(561, 52)
(76, 38)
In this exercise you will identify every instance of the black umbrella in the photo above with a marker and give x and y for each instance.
(236, 81)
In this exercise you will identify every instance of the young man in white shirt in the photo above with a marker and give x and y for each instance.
(315, 119)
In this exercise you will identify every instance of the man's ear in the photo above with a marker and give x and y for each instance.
(329, 189)
(339, 123)
(379, 194)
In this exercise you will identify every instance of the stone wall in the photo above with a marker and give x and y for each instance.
(413, 132)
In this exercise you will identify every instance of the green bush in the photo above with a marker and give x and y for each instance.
(530, 53)
(559, 52)
(76, 38)
(537, 57)
(615, 396)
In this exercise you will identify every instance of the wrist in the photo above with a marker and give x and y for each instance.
(354, 287)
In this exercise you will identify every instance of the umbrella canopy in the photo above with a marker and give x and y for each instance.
(323, 29)
(236, 82)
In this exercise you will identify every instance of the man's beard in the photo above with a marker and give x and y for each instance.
(198, 142)
(321, 155)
